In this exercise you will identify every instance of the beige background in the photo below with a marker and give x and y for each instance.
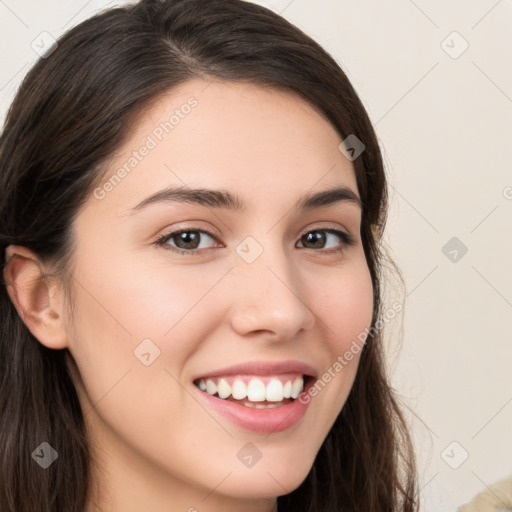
(444, 119)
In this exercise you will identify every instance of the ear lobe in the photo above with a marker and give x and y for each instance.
(37, 302)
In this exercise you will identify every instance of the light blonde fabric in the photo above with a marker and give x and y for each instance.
(496, 498)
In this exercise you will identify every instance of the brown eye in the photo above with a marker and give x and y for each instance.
(185, 241)
(317, 239)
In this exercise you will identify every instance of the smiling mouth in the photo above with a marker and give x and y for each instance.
(255, 391)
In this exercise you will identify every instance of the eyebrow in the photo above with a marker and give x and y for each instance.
(227, 200)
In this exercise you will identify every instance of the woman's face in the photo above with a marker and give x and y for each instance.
(273, 286)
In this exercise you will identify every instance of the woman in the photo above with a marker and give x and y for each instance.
(194, 200)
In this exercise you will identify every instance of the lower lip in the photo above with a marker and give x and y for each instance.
(266, 421)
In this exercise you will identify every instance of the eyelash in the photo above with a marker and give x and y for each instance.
(346, 240)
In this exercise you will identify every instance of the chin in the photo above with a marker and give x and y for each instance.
(268, 481)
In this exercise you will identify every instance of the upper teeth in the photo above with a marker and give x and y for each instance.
(255, 390)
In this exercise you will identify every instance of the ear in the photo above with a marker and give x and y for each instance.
(38, 302)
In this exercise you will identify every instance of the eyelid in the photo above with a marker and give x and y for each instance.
(323, 227)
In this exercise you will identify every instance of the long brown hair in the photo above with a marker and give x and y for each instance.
(72, 111)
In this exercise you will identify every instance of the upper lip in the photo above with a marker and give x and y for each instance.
(263, 368)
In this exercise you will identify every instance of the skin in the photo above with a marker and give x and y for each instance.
(158, 448)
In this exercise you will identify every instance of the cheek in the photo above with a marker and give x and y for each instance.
(113, 315)
(120, 306)
(345, 310)
(346, 306)
(124, 302)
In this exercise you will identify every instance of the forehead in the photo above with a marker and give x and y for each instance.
(257, 141)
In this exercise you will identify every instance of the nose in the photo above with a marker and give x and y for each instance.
(270, 298)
